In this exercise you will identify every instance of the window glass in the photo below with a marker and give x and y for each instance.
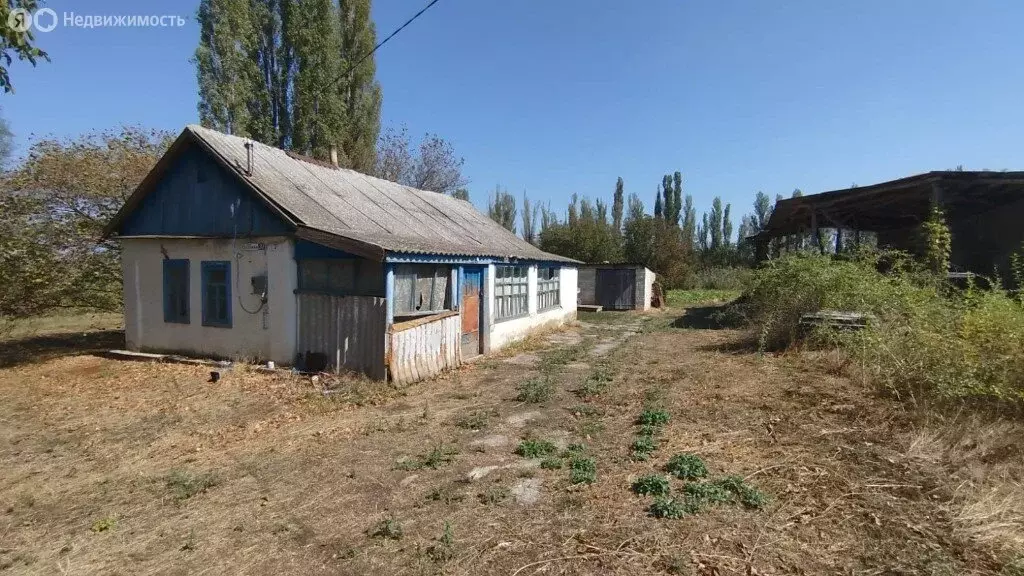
(511, 297)
(176, 291)
(217, 294)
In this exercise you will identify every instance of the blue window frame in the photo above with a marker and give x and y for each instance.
(176, 291)
(217, 294)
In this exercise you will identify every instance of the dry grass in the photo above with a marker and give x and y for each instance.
(131, 468)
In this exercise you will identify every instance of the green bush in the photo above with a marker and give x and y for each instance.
(927, 339)
(794, 285)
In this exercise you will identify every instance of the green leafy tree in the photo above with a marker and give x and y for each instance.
(285, 72)
(726, 226)
(6, 142)
(659, 208)
(361, 94)
(668, 204)
(715, 223)
(461, 194)
(618, 205)
(17, 41)
(53, 208)
(689, 221)
(502, 208)
(762, 212)
(656, 244)
(677, 197)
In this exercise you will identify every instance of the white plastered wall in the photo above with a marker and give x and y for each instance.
(507, 331)
(264, 333)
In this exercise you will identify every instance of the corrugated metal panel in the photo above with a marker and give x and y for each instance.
(348, 330)
(370, 210)
(423, 349)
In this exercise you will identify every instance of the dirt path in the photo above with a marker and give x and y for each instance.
(139, 469)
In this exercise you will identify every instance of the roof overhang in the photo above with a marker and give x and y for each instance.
(897, 204)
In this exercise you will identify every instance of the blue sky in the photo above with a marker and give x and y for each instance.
(555, 97)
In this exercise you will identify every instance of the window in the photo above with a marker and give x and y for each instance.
(510, 292)
(421, 289)
(217, 294)
(176, 291)
(547, 287)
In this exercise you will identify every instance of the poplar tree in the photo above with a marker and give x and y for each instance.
(284, 72)
(677, 197)
(618, 202)
(658, 207)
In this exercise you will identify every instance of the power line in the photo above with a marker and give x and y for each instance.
(381, 43)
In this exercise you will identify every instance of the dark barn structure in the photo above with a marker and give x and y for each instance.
(984, 211)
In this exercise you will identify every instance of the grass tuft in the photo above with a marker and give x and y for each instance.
(653, 417)
(387, 529)
(184, 485)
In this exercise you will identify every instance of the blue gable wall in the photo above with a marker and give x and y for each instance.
(199, 197)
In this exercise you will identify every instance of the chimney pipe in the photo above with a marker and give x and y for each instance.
(334, 156)
(248, 158)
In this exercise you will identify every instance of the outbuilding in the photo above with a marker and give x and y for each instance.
(616, 286)
(234, 249)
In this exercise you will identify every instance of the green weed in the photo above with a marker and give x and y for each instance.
(104, 524)
(653, 417)
(651, 485)
(387, 529)
(434, 459)
(535, 448)
(582, 470)
(476, 420)
(686, 467)
(444, 550)
(665, 507)
(536, 390)
(642, 448)
(551, 463)
(748, 495)
(595, 384)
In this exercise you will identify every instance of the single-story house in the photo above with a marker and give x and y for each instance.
(983, 211)
(234, 249)
(616, 286)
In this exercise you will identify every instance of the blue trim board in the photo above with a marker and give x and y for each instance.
(407, 258)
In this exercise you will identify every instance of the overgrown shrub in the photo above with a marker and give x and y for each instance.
(781, 292)
(925, 339)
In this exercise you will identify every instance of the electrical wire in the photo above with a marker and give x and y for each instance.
(381, 43)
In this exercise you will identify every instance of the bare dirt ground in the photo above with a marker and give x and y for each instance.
(126, 468)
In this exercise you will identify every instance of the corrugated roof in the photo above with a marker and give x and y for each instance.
(365, 209)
